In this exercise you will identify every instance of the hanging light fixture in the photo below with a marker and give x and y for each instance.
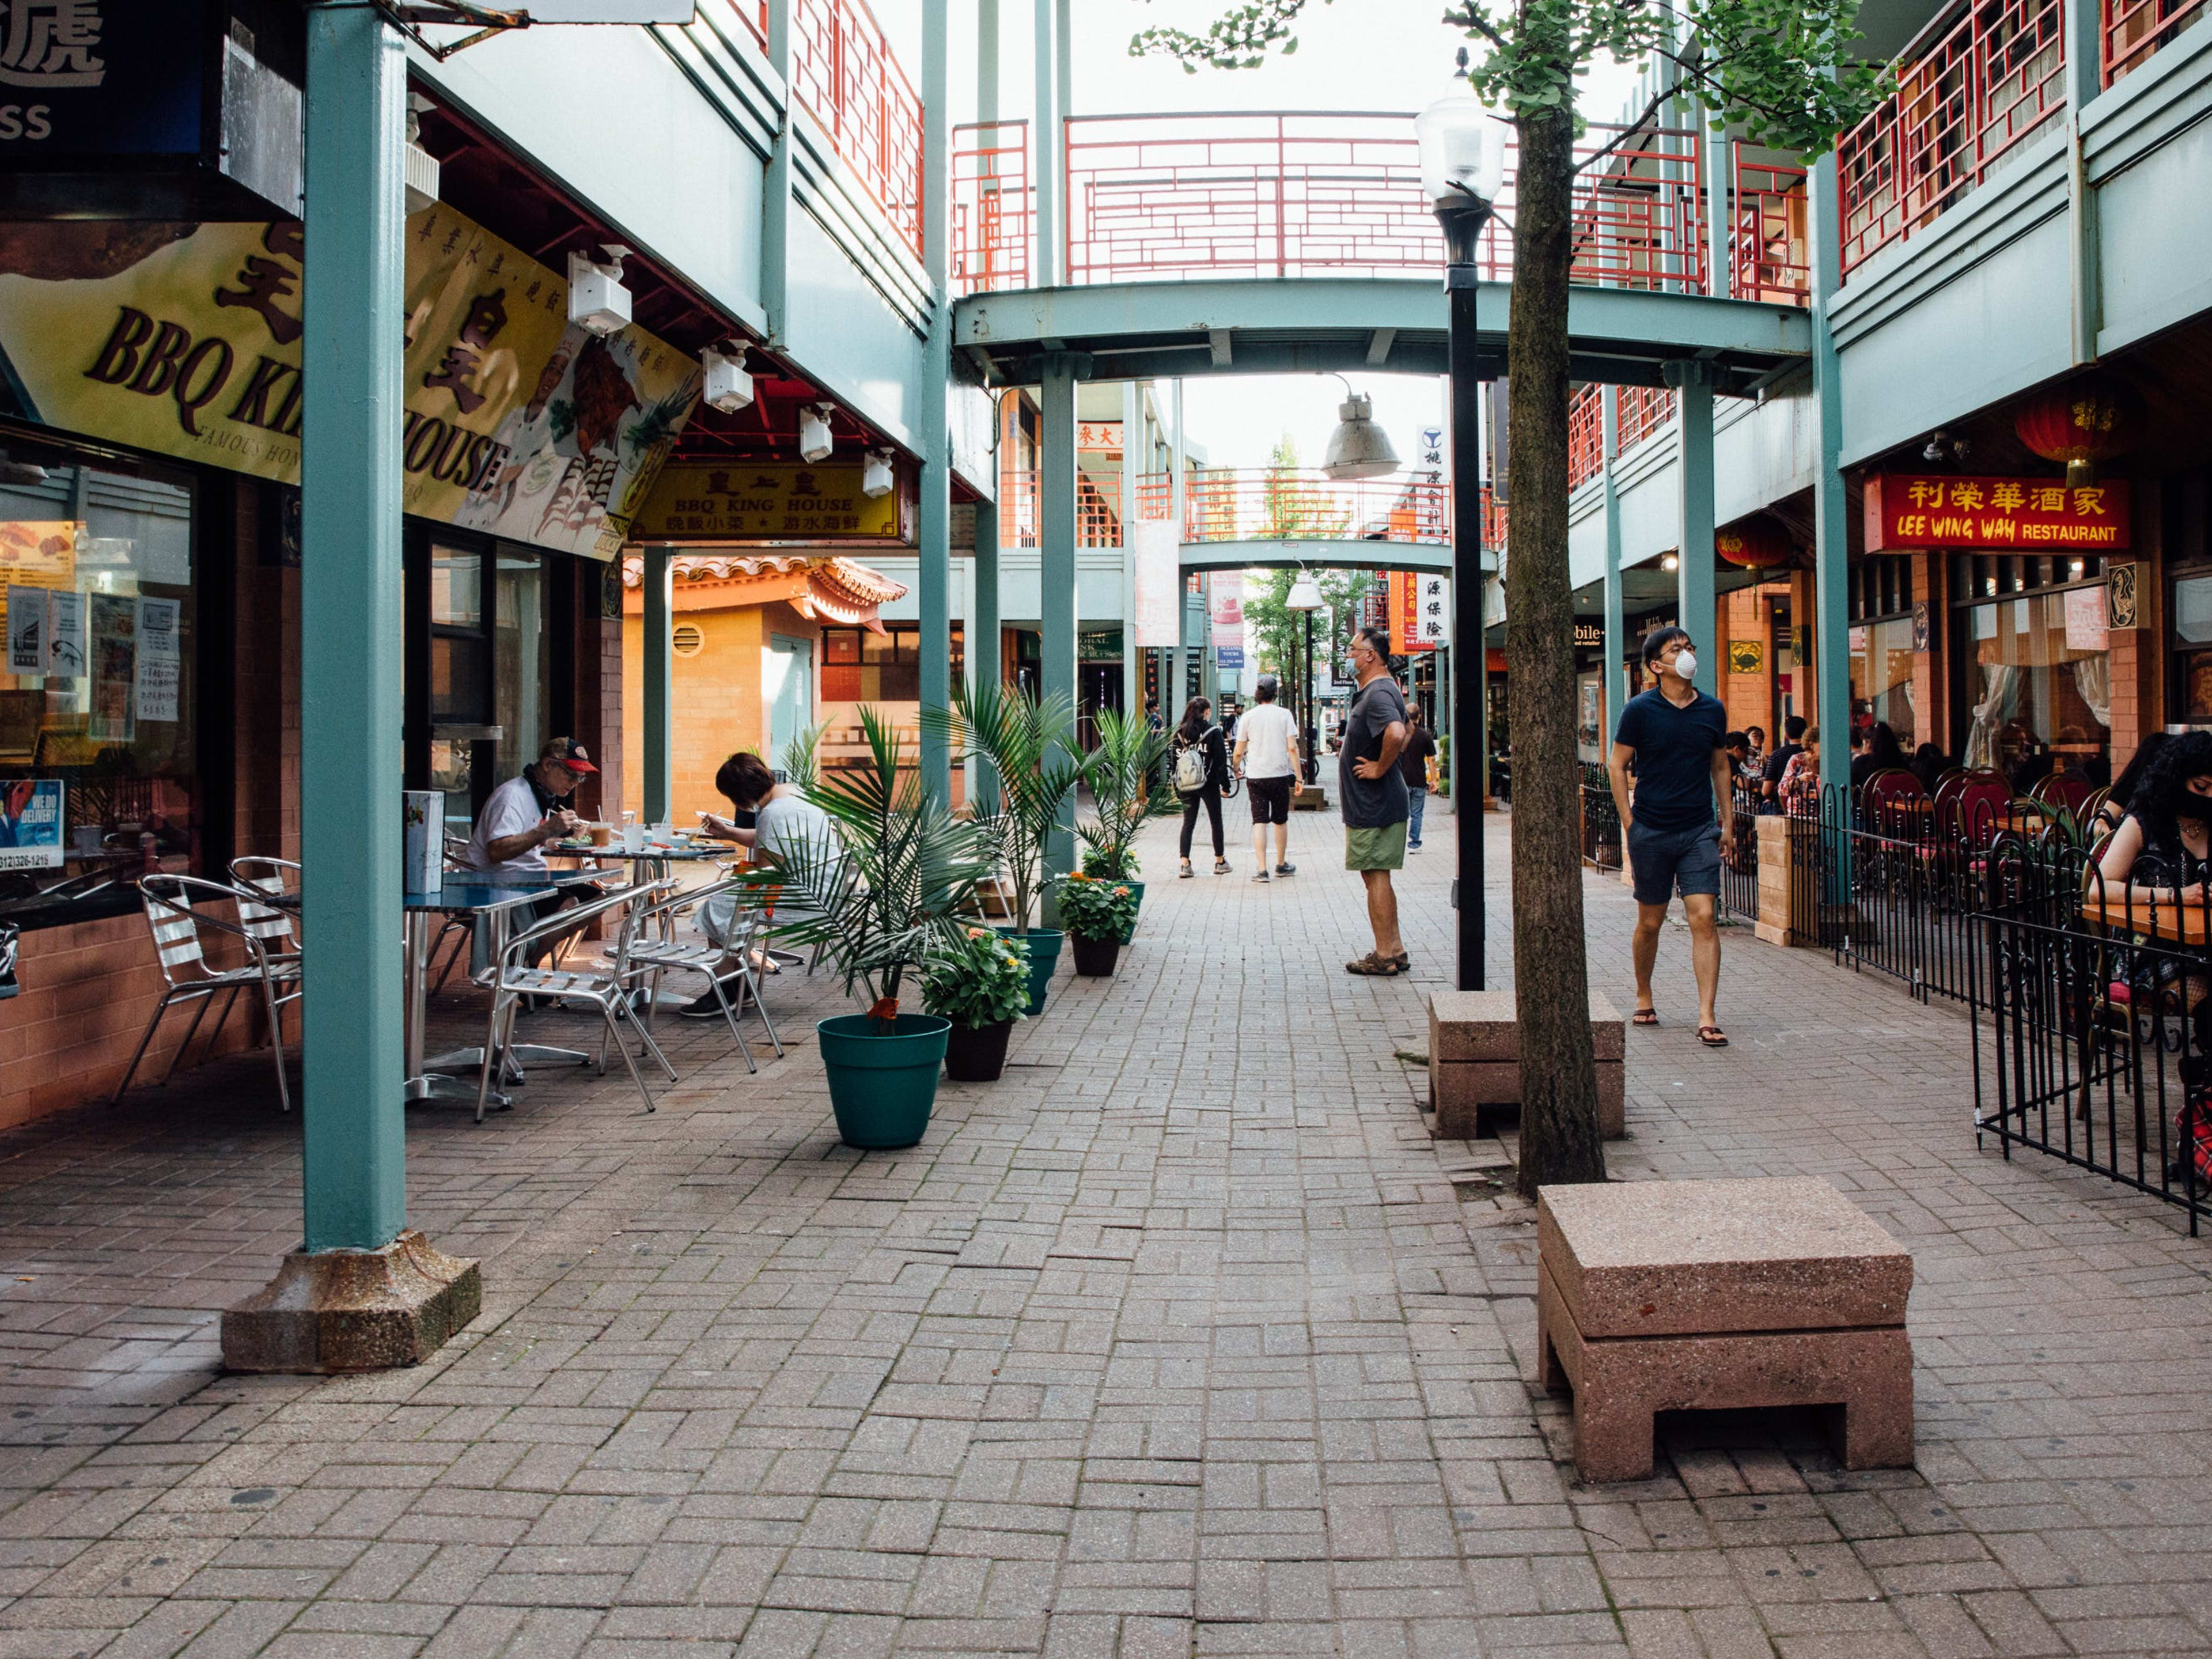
(1304, 594)
(814, 440)
(597, 298)
(727, 384)
(1358, 448)
(875, 474)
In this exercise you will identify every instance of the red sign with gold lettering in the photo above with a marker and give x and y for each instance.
(2030, 515)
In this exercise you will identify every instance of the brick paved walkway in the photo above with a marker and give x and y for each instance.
(1182, 1339)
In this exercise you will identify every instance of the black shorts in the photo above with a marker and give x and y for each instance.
(1271, 799)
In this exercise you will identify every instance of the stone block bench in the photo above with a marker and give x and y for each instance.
(1657, 1296)
(1474, 1062)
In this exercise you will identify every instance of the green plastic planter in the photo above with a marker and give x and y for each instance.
(1137, 891)
(1044, 957)
(882, 1086)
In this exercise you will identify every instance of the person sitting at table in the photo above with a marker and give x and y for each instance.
(2162, 851)
(2114, 811)
(527, 811)
(784, 826)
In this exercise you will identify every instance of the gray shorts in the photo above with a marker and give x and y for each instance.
(1662, 860)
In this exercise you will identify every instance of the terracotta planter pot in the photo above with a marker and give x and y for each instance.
(977, 1054)
(1094, 957)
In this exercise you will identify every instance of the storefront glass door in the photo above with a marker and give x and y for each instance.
(788, 688)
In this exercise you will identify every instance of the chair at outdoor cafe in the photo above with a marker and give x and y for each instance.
(605, 985)
(260, 883)
(180, 913)
(1893, 804)
(661, 948)
(2069, 792)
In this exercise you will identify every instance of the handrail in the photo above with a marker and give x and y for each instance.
(2134, 31)
(842, 69)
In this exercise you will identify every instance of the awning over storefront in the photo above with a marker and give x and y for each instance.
(838, 592)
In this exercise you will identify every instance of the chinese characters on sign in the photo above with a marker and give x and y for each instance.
(1422, 604)
(1099, 437)
(51, 43)
(2032, 514)
(733, 502)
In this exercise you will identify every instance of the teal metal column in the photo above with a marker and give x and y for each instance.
(2082, 22)
(1616, 624)
(1830, 633)
(1693, 471)
(984, 667)
(987, 62)
(1132, 417)
(776, 189)
(1172, 694)
(352, 1113)
(656, 687)
(1056, 559)
(933, 574)
(1713, 139)
(1044, 147)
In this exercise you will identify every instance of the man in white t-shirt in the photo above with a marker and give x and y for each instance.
(1267, 760)
(526, 812)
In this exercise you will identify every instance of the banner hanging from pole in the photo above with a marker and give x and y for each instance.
(1159, 582)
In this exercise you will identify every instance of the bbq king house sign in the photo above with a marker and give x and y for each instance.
(704, 503)
(1905, 512)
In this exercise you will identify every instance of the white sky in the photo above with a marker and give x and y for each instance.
(1352, 55)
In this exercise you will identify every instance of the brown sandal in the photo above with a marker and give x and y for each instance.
(1645, 1017)
(1372, 966)
(1712, 1037)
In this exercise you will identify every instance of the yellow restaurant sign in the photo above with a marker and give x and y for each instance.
(186, 340)
(776, 501)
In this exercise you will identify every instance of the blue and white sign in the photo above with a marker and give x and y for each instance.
(31, 824)
(1229, 659)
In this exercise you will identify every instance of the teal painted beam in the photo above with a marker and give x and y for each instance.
(1693, 546)
(1044, 147)
(933, 565)
(354, 1122)
(657, 681)
(2082, 24)
(983, 664)
(1832, 663)
(1132, 449)
(776, 189)
(987, 61)
(1057, 558)
(1616, 625)
(1197, 556)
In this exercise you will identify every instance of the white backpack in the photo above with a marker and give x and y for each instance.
(1190, 765)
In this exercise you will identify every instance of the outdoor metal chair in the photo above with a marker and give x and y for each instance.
(179, 927)
(2070, 791)
(660, 949)
(258, 879)
(605, 985)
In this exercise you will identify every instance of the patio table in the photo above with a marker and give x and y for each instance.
(2185, 924)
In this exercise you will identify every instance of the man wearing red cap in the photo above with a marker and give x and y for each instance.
(526, 812)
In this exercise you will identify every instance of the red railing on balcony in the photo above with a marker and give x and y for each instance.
(1244, 504)
(1968, 94)
(1644, 410)
(1098, 519)
(992, 206)
(2135, 30)
(1585, 435)
(1768, 227)
(842, 70)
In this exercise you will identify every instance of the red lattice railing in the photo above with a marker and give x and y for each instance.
(2135, 30)
(1964, 100)
(1585, 435)
(842, 70)
(1768, 241)
(1243, 504)
(992, 206)
(1644, 410)
(1098, 521)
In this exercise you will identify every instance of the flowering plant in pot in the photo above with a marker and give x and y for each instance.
(1096, 913)
(1028, 747)
(982, 985)
(883, 884)
(1125, 766)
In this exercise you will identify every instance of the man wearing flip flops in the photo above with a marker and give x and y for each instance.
(1675, 734)
(1372, 794)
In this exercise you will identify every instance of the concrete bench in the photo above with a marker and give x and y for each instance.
(1474, 1062)
(1657, 1296)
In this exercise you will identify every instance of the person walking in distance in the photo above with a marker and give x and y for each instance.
(1372, 793)
(1268, 761)
(1673, 734)
(1199, 757)
(1413, 766)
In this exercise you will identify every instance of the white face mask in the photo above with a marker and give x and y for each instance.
(1686, 664)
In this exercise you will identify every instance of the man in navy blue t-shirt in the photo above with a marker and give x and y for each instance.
(1673, 735)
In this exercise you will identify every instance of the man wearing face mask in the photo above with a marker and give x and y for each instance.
(1674, 735)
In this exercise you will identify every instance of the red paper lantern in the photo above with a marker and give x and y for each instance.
(2082, 424)
(1756, 543)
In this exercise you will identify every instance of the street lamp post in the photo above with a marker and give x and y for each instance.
(1306, 596)
(1462, 150)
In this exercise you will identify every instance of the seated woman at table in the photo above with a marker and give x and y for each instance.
(2162, 851)
(784, 826)
(2124, 787)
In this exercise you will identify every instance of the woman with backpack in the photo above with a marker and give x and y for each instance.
(1200, 765)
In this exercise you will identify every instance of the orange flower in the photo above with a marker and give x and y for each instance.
(1121, 892)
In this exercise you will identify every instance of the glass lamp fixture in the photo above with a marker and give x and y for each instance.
(1462, 150)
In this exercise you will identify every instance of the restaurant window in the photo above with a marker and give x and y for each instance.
(859, 665)
(1882, 646)
(2038, 686)
(98, 741)
(487, 668)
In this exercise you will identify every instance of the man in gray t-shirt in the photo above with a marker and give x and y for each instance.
(1372, 795)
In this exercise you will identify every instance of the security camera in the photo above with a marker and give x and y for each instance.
(814, 441)
(729, 384)
(597, 298)
(875, 474)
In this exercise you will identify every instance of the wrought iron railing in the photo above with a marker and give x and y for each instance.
(1968, 94)
(1601, 820)
(843, 70)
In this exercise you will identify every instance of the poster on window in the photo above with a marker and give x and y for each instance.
(114, 717)
(2087, 620)
(1159, 584)
(31, 823)
(65, 652)
(38, 552)
(27, 629)
(160, 661)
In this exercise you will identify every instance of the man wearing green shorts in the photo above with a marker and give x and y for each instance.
(1373, 796)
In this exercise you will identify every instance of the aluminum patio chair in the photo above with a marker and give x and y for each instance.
(662, 949)
(257, 881)
(179, 916)
(605, 984)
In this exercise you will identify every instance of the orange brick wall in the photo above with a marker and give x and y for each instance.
(717, 705)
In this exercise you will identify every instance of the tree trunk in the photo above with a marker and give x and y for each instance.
(1559, 1139)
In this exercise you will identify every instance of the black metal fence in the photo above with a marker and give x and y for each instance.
(1601, 820)
(1740, 876)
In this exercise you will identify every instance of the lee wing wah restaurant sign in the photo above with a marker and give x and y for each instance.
(2032, 515)
(184, 339)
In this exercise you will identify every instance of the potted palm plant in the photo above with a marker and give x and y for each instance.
(1121, 768)
(884, 889)
(1029, 745)
(982, 985)
(1098, 912)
